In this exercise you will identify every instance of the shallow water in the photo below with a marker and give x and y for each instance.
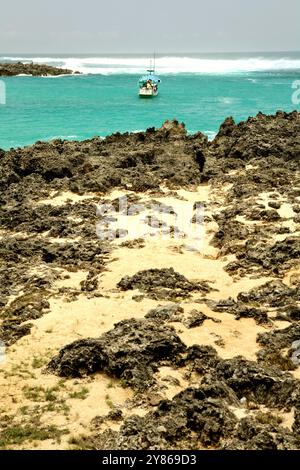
(80, 107)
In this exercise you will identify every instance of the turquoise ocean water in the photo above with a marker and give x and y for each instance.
(198, 90)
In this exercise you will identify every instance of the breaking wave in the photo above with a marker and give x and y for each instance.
(165, 65)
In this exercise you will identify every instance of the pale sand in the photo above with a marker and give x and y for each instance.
(68, 321)
(62, 198)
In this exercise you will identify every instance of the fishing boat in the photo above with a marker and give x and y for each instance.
(149, 83)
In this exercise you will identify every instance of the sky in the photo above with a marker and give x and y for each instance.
(138, 26)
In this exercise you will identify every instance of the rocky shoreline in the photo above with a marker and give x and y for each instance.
(35, 70)
(144, 343)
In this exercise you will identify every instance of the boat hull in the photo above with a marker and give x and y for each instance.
(144, 93)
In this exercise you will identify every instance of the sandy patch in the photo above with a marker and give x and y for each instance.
(85, 317)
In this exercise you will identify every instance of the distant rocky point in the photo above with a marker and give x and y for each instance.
(36, 70)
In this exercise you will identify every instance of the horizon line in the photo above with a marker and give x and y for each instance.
(157, 53)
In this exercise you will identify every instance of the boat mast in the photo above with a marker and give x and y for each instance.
(152, 65)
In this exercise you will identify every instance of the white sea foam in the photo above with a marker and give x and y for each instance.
(210, 134)
(56, 76)
(60, 137)
(164, 65)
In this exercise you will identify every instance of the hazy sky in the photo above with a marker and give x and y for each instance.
(91, 26)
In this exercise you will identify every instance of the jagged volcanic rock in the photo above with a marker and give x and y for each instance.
(131, 351)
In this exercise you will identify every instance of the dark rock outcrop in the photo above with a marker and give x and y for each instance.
(283, 344)
(168, 313)
(36, 70)
(131, 351)
(263, 385)
(202, 416)
(259, 137)
(162, 284)
(29, 306)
